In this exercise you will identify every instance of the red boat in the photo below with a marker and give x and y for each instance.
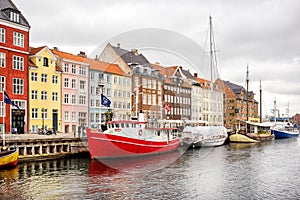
(130, 138)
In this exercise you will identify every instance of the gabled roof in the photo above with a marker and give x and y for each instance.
(68, 56)
(105, 67)
(33, 50)
(237, 90)
(130, 57)
(6, 5)
(163, 71)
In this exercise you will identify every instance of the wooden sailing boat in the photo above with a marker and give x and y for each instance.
(213, 134)
(250, 132)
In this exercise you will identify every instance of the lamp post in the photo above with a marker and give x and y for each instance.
(43, 121)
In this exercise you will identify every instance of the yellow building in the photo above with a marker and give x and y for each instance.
(44, 90)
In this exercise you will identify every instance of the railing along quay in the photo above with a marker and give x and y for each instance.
(44, 147)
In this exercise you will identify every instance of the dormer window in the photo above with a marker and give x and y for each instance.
(13, 16)
(45, 62)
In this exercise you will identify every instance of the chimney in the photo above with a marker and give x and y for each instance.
(96, 58)
(135, 51)
(82, 54)
(195, 75)
(119, 45)
(55, 48)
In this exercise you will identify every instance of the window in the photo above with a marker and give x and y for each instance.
(34, 94)
(73, 99)
(82, 100)
(18, 86)
(73, 69)
(149, 83)
(73, 116)
(54, 96)
(66, 82)
(92, 103)
(18, 39)
(82, 85)
(2, 59)
(82, 70)
(144, 99)
(44, 113)
(115, 79)
(153, 84)
(108, 78)
(66, 116)
(34, 113)
(43, 95)
(2, 35)
(73, 83)
(66, 98)
(92, 75)
(34, 76)
(44, 78)
(144, 83)
(34, 128)
(108, 92)
(66, 67)
(18, 63)
(149, 99)
(2, 109)
(15, 17)
(45, 62)
(92, 90)
(2, 83)
(153, 99)
(55, 79)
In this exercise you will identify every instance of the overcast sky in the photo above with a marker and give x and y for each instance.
(265, 34)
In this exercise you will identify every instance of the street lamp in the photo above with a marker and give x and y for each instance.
(43, 118)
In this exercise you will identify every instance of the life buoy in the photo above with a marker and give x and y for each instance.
(140, 132)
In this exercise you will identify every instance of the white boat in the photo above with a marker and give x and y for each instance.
(205, 136)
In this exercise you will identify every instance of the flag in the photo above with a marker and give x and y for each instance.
(7, 100)
(105, 101)
(168, 107)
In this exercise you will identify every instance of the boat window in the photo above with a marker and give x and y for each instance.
(122, 125)
(158, 133)
(133, 125)
(117, 125)
(127, 125)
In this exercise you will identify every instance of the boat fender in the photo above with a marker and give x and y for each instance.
(140, 132)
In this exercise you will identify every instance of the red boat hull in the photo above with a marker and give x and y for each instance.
(114, 146)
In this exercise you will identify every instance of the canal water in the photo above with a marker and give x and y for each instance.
(233, 171)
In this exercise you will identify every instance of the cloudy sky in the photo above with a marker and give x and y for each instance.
(263, 34)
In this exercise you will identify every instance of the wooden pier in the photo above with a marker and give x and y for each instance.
(44, 147)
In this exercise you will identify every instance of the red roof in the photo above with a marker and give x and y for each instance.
(68, 56)
(34, 50)
(104, 66)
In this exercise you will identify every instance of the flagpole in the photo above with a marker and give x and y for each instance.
(100, 111)
(3, 119)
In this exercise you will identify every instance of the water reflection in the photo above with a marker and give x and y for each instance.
(233, 171)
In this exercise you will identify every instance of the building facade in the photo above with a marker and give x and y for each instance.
(146, 81)
(44, 91)
(74, 92)
(14, 50)
(237, 104)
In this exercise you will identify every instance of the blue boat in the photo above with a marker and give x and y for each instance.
(286, 130)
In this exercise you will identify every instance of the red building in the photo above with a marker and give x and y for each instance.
(14, 50)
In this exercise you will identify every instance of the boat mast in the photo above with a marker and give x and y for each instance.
(211, 50)
(260, 106)
(247, 96)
